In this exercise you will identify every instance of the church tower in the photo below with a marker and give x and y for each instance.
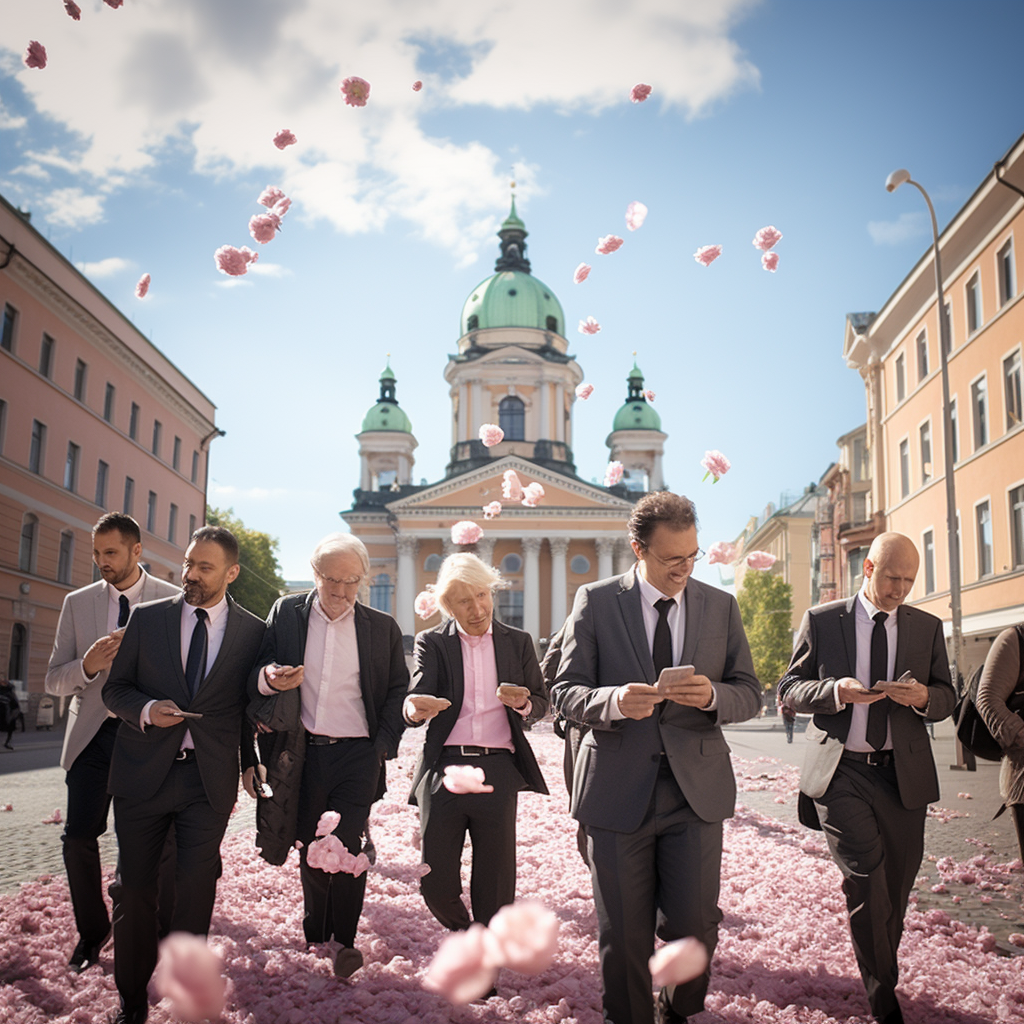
(636, 439)
(386, 442)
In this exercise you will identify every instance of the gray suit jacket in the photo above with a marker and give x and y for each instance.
(826, 650)
(83, 620)
(604, 646)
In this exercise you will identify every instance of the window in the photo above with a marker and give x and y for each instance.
(157, 430)
(922, 356)
(925, 432)
(46, 356)
(18, 663)
(7, 333)
(102, 474)
(172, 523)
(510, 608)
(983, 522)
(176, 454)
(1017, 526)
(901, 379)
(511, 563)
(129, 496)
(860, 507)
(580, 565)
(979, 410)
(108, 402)
(71, 467)
(29, 543)
(855, 569)
(432, 563)
(151, 512)
(3, 423)
(191, 526)
(904, 468)
(37, 451)
(928, 544)
(472, 322)
(133, 423)
(860, 460)
(67, 544)
(551, 323)
(1011, 389)
(949, 327)
(381, 589)
(195, 466)
(80, 371)
(973, 304)
(1005, 272)
(512, 418)
(955, 431)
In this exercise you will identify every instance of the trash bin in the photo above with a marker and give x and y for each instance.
(44, 714)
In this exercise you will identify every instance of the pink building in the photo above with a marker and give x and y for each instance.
(93, 418)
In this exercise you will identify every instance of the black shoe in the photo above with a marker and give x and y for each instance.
(663, 1012)
(8, 746)
(369, 849)
(347, 962)
(87, 954)
(136, 1016)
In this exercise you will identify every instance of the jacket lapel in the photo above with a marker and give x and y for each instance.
(364, 648)
(848, 626)
(633, 616)
(172, 619)
(694, 598)
(453, 655)
(502, 651)
(99, 609)
(234, 624)
(903, 638)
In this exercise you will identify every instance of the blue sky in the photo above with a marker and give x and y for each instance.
(143, 145)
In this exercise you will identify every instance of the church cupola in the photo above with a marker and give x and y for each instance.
(386, 442)
(636, 439)
(513, 243)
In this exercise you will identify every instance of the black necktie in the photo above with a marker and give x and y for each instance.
(878, 713)
(195, 666)
(122, 615)
(662, 636)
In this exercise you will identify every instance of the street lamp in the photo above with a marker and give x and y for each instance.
(892, 183)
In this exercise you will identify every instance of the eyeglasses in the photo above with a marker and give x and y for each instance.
(351, 581)
(676, 563)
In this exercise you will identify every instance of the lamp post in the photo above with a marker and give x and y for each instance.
(892, 183)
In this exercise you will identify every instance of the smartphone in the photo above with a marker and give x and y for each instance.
(185, 714)
(673, 674)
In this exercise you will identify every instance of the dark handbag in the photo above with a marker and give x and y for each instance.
(971, 729)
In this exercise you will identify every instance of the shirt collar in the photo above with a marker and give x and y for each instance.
(651, 594)
(132, 593)
(469, 636)
(870, 610)
(214, 613)
(318, 608)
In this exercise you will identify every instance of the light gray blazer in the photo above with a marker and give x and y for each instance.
(83, 620)
(604, 646)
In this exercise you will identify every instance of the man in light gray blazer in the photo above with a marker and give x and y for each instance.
(89, 633)
(653, 780)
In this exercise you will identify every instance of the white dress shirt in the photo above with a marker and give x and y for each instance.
(864, 623)
(133, 593)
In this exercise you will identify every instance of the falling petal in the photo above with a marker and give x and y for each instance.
(142, 287)
(584, 391)
(232, 261)
(417, 85)
(767, 237)
(636, 214)
(35, 55)
(491, 434)
(613, 474)
(73, 9)
(328, 822)
(458, 971)
(721, 552)
(716, 464)
(608, 244)
(263, 226)
(425, 605)
(582, 273)
(464, 778)
(760, 560)
(492, 510)
(284, 138)
(707, 254)
(511, 488)
(523, 937)
(188, 973)
(113, 3)
(466, 532)
(589, 326)
(649, 395)
(532, 493)
(770, 261)
(269, 196)
(678, 962)
(639, 92)
(356, 91)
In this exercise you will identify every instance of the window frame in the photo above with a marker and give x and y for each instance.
(982, 378)
(928, 563)
(1012, 403)
(37, 448)
(128, 505)
(927, 474)
(28, 565)
(903, 452)
(901, 377)
(66, 557)
(512, 417)
(80, 380)
(1006, 273)
(109, 397)
(47, 347)
(1016, 524)
(102, 482)
(985, 503)
(9, 328)
(921, 347)
(974, 304)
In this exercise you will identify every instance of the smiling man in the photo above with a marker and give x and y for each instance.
(653, 780)
(872, 671)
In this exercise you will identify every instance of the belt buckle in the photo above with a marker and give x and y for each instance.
(879, 758)
(467, 753)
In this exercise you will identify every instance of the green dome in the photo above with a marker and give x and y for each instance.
(512, 298)
(386, 415)
(636, 413)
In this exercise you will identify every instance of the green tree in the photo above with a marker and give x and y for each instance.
(766, 607)
(259, 584)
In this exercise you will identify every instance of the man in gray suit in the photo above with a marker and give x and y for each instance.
(89, 632)
(653, 780)
(872, 672)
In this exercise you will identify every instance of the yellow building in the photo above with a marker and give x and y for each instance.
(896, 352)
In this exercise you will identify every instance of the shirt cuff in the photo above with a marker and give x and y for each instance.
(615, 712)
(144, 717)
(87, 678)
(263, 686)
(407, 708)
(713, 706)
(835, 696)
(524, 711)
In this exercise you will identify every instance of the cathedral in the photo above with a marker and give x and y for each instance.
(512, 368)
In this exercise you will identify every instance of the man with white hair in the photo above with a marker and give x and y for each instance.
(327, 696)
(476, 681)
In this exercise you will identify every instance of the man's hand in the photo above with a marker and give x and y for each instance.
(161, 714)
(513, 696)
(249, 779)
(853, 691)
(283, 677)
(425, 708)
(908, 692)
(100, 655)
(637, 700)
(693, 691)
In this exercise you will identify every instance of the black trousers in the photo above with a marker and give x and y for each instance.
(878, 845)
(490, 820)
(85, 821)
(663, 879)
(342, 777)
(142, 827)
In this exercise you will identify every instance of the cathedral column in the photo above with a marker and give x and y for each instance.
(559, 547)
(448, 546)
(463, 412)
(624, 556)
(478, 408)
(560, 412)
(485, 549)
(545, 432)
(605, 548)
(531, 586)
(405, 587)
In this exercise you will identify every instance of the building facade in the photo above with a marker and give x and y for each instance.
(93, 418)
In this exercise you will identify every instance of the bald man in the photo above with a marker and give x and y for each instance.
(872, 672)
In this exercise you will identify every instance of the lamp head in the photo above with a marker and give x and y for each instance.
(896, 179)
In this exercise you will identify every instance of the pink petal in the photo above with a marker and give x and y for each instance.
(53, 819)
(188, 973)
(584, 391)
(766, 238)
(639, 92)
(356, 91)
(113, 3)
(142, 287)
(649, 395)
(232, 261)
(707, 254)
(581, 274)
(492, 510)
(417, 85)
(458, 971)
(284, 138)
(491, 434)
(608, 244)
(523, 937)
(466, 532)
(613, 474)
(73, 9)
(328, 822)
(760, 560)
(7, 807)
(425, 605)
(264, 226)
(464, 778)
(770, 261)
(35, 55)
(511, 488)
(716, 463)
(532, 493)
(636, 214)
(281, 207)
(270, 195)
(721, 552)
(589, 326)
(678, 962)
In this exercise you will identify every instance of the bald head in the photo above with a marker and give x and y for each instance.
(890, 570)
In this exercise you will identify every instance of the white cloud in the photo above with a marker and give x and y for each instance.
(8, 121)
(104, 268)
(262, 269)
(905, 228)
(71, 207)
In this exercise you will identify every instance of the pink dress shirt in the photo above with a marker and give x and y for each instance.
(482, 721)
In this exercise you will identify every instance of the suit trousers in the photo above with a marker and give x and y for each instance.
(878, 845)
(663, 879)
(142, 827)
(340, 777)
(490, 820)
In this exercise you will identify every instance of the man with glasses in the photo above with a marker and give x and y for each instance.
(653, 780)
(327, 697)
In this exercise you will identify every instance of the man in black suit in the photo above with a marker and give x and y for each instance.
(178, 683)
(476, 681)
(328, 686)
(872, 672)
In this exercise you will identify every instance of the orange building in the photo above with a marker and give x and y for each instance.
(896, 352)
(93, 418)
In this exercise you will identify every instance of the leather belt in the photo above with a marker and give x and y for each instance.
(186, 755)
(875, 758)
(463, 750)
(316, 740)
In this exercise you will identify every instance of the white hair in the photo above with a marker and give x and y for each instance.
(341, 544)
(464, 567)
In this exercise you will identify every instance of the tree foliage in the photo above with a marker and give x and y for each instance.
(259, 584)
(766, 607)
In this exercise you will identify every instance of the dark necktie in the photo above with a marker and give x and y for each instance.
(878, 713)
(662, 637)
(195, 666)
(122, 615)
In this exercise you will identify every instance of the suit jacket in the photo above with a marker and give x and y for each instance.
(83, 620)
(605, 646)
(438, 672)
(826, 650)
(148, 667)
(383, 679)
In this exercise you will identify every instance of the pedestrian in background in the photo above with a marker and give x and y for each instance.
(10, 709)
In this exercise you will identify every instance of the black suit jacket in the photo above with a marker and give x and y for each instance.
(438, 672)
(148, 667)
(826, 650)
